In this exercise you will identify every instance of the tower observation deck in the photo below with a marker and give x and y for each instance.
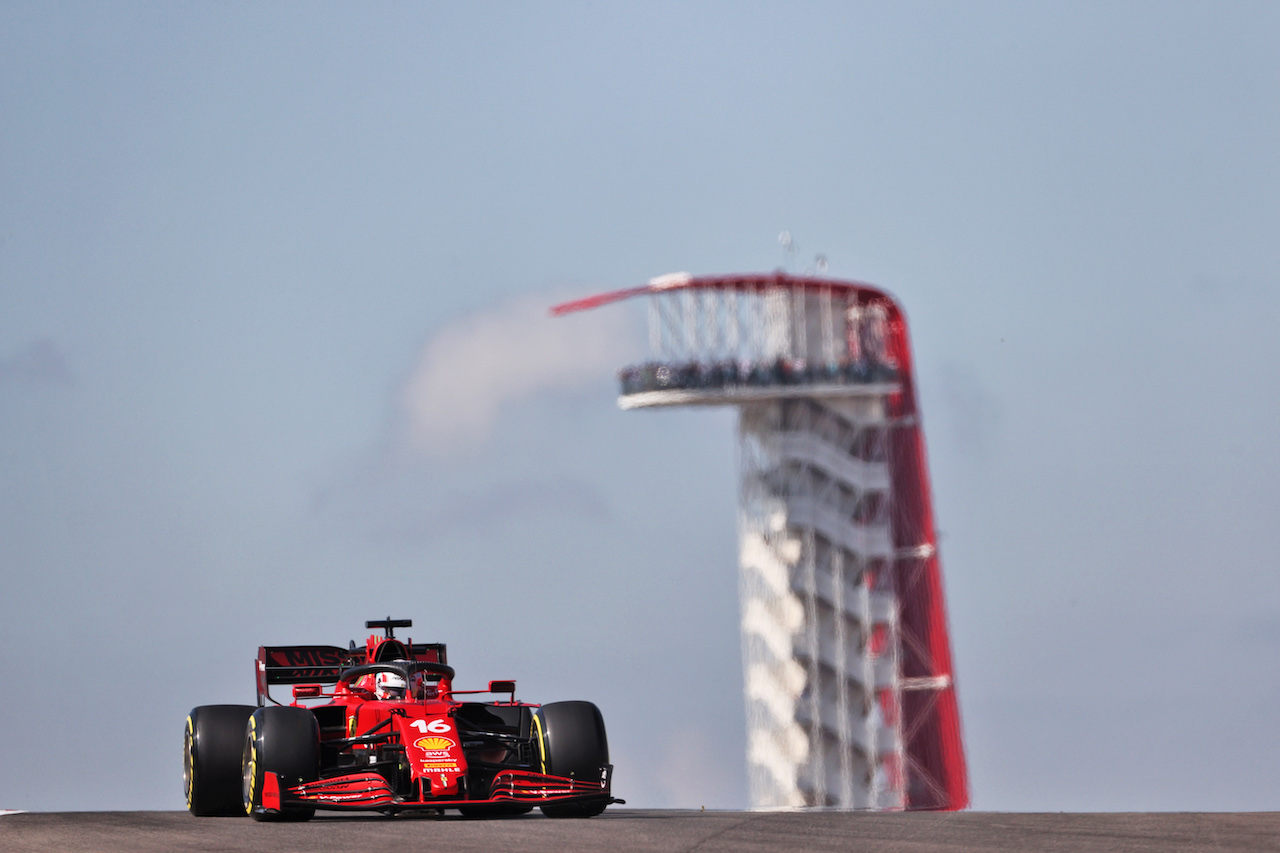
(847, 662)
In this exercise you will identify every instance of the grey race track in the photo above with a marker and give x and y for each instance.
(622, 829)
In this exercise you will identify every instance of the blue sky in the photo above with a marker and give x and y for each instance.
(234, 239)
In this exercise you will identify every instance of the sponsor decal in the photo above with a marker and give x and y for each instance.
(440, 767)
(434, 743)
(437, 754)
(292, 664)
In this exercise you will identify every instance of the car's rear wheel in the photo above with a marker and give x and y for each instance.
(211, 747)
(285, 741)
(572, 743)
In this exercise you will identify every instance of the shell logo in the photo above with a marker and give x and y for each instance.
(433, 743)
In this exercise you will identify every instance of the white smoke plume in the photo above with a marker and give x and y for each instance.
(470, 370)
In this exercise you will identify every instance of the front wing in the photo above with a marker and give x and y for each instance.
(371, 791)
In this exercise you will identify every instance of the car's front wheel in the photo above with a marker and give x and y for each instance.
(285, 741)
(211, 747)
(572, 742)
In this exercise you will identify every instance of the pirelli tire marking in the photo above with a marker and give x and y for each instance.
(189, 761)
(251, 767)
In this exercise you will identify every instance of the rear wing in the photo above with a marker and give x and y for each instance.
(321, 664)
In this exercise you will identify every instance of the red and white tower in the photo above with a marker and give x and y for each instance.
(850, 694)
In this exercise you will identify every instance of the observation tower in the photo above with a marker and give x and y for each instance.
(849, 687)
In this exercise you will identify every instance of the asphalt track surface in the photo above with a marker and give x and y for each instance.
(622, 829)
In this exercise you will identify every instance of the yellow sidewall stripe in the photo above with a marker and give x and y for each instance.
(253, 767)
(542, 752)
(189, 760)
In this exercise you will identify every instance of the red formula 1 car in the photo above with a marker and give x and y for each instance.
(391, 735)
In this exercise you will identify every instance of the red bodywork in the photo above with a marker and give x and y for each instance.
(432, 738)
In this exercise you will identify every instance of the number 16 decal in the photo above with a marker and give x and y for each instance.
(436, 727)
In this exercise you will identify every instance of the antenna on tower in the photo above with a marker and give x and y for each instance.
(789, 249)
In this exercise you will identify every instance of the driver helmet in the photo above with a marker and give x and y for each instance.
(389, 685)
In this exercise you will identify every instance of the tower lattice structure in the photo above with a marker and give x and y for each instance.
(846, 657)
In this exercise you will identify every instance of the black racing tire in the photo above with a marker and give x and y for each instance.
(211, 752)
(572, 743)
(280, 740)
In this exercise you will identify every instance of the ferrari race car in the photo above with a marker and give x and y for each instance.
(391, 734)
